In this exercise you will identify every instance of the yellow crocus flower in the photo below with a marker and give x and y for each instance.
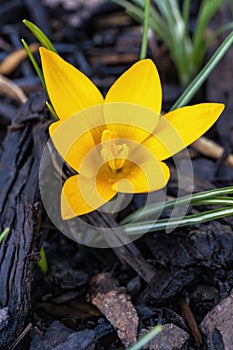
(116, 143)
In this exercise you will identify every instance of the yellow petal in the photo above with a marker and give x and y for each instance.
(130, 121)
(146, 177)
(76, 137)
(181, 127)
(140, 85)
(72, 150)
(81, 196)
(69, 90)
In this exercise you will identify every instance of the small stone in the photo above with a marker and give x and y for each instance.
(171, 337)
(217, 325)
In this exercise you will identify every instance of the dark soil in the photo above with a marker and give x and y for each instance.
(106, 298)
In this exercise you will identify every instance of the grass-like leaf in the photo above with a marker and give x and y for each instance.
(52, 111)
(169, 224)
(42, 263)
(41, 37)
(145, 29)
(4, 233)
(204, 73)
(171, 22)
(34, 63)
(194, 199)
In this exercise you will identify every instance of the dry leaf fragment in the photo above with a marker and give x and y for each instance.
(116, 306)
(12, 61)
(211, 149)
(8, 87)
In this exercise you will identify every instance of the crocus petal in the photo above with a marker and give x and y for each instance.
(130, 121)
(76, 137)
(81, 195)
(146, 177)
(140, 85)
(72, 149)
(181, 127)
(69, 90)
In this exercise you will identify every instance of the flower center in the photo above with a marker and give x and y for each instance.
(115, 155)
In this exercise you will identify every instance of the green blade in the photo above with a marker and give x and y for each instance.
(41, 37)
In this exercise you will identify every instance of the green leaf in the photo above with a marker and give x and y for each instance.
(52, 111)
(171, 23)
(169, 224)
(42, 263)
(196, 198)
(4, 233)
(34, 63)
(41, 37)
(145, 29)
(204, 73)
(207, 10)
(185, 13)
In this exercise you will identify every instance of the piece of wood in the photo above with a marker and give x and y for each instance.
(20, 210)
(7, 87)
(211, 149)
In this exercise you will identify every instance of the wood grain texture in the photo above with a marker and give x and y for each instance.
(20, 210)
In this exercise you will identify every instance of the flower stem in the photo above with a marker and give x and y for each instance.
(145, 29)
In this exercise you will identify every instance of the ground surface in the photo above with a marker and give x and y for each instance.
(99, 298)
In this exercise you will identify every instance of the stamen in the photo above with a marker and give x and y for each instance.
(112, 153)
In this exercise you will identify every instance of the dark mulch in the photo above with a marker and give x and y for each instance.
(105, 298)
